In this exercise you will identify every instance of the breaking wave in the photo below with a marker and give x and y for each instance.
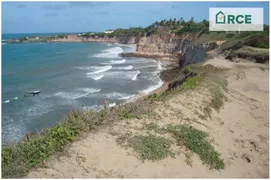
(96, 77)
(152, 88)
(99, 69)
(82, 92)
(110, 53)
(124, 67)
(130, 75)
(118, 95)
(90, 90)
(115, 62)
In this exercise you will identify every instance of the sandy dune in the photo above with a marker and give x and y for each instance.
(240, 132)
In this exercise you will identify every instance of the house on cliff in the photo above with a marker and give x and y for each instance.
(108, 31)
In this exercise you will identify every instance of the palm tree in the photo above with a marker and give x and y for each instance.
(191, 20)
(174, 20)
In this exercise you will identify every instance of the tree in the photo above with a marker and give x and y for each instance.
(205, 22)
(191, 20)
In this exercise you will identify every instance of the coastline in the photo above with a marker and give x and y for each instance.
(98, 146)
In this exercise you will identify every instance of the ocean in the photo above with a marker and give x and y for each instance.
(70, 76)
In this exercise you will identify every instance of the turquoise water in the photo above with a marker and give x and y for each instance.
(70, 76)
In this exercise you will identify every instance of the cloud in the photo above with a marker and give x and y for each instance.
(54, 7)
(21, 6)
(52, 14)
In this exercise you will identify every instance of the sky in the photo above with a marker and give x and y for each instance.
(49, 17)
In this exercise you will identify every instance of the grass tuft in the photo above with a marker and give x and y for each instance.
(149, 147)
(191, 83)
(195, 140)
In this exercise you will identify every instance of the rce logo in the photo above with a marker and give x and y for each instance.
(222, 18)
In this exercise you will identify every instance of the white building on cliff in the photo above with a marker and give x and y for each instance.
(108, 31)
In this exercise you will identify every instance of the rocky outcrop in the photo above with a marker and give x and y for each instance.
(171, 48)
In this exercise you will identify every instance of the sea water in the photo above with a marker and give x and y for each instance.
(70, 76)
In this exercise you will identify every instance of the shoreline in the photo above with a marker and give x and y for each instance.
(100, 136)
(135, 98)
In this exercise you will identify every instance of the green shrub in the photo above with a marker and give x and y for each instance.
(196, 141)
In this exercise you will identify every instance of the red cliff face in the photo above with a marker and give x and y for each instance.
(173, 48)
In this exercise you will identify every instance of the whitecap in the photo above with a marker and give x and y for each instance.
(127, 97)
(15, 98)
(99, 69)
(84, 68)
(124, 67)
(152, 88)
(110, 53)
(159, 66)
(7, 101)
(96, 77)
(129, 75)
(72, 96)
(115, 62)
(117, 95)
(81, 92)
(135, 76)
(89, 90)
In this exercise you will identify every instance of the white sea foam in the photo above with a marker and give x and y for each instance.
(99, 69)
(124, 67)
(159, 66)
(129, 75)
(73, 96)
(96, 77)
(81, 92)
(135, 76)
(118, 95)
(110, 53)
(89, 90)
(109, 45)
(152, 88)
(127, 97)
(84, 68)
(115, 62)
(7, 101)
(15, 98)
(111, 104)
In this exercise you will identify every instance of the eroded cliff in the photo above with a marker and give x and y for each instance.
(172, 48)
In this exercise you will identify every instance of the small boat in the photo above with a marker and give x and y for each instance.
(34, 92)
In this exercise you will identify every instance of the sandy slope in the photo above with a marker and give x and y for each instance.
(240, 132)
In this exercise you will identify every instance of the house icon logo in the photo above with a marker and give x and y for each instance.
(220, 18)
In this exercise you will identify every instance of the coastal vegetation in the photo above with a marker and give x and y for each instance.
(35, 149)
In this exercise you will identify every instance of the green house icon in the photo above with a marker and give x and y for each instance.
(220, 18)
